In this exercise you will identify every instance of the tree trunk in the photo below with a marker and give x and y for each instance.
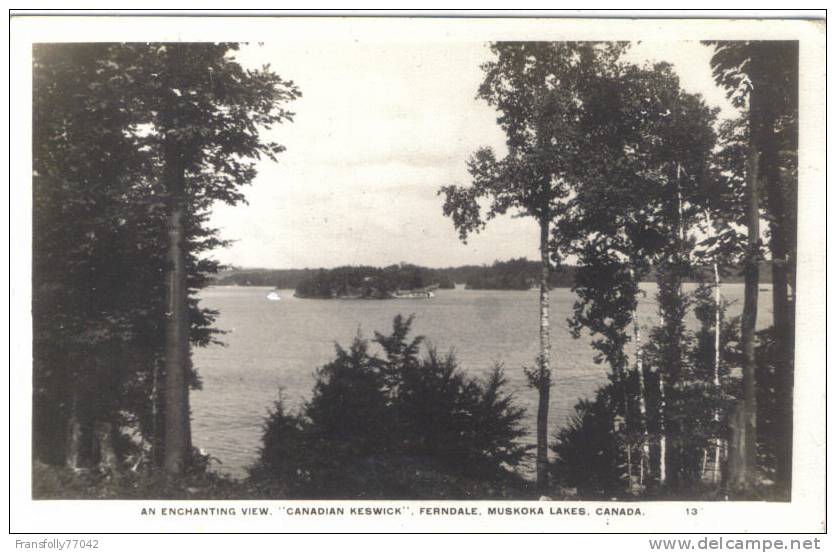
(737, 447)
(544, 362)
(186, 398)
(157, 445)
(107, 461)
(782, 307)
(176, 435)
(716, 471)
(748, 446)
(672, 314)
(75, 436)
(624, 428)
(663, 449)
(785, 363)
(629, 450)
(716, 475)
(644, 461)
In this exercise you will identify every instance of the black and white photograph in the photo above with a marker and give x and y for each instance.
(454, 268)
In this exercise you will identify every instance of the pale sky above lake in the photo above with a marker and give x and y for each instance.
(378, 130)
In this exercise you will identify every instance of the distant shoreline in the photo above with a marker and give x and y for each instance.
(515, 274)
(459, 286)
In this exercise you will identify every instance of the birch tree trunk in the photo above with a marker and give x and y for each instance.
(671, 462)
(544, 361)
(715, 477)
(718, 442)
(663, 449)
(644, 462)
(625, 428)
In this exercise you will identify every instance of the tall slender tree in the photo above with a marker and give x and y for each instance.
(538, 90)
(206, 113)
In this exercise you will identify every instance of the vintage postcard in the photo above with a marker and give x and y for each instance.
(386, 274)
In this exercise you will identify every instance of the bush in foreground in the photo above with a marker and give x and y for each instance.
(396, 425)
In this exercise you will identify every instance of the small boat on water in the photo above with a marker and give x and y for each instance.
(274, 296)
(413, 295)
(418, 293)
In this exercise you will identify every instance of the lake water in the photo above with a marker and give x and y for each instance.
(274, 347)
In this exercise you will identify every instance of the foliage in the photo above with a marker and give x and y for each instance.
(516, 274)
(364, 282)
(762, 77)
(542, 92)
(104, 116)
(539, 90)
(632, 175)
(592, 449)
(629, 220)
(383, 413)
(588, 453)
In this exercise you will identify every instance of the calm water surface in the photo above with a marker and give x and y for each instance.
(274, 347)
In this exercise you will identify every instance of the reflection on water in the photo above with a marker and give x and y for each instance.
(274, 347)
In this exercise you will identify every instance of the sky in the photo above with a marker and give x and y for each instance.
(380, 127)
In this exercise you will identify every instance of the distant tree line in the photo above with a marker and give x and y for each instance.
(514, 274)
(365, 282)
(522, 274)
(517, 274)
(286, 279)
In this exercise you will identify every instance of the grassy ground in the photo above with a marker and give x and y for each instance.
(403, 482)
(50, 482)
(416, 481)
